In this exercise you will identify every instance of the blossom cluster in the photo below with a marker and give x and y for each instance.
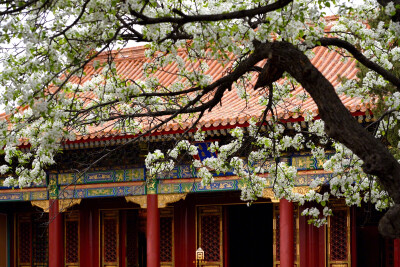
(47, 97)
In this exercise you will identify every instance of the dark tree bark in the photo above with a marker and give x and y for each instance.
(341, 126)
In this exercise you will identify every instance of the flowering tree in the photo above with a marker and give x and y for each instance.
(47, 45)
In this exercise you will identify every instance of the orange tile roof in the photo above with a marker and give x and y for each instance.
(233, 110)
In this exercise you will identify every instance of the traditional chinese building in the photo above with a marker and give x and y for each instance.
(112, 215)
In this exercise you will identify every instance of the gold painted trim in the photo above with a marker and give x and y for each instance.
(43, 204)
(304, 189)
(269, 193)
(65, 204)
(165, 199)
(141, 200)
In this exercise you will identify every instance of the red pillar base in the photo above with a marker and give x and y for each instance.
(55, 235)
(286, 233)
(153, 231)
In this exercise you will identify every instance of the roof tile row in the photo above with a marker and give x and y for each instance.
(233, 110)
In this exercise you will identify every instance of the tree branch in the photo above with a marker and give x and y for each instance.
(145, 20)
(362, 59)
(341, 126)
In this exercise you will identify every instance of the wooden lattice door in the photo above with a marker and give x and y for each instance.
(210, 235)
(339, 238)
(32, 240)
(276, 239)
(24, 240)
(167, 237)
(123, 238)
(109, 238)
(71, 235)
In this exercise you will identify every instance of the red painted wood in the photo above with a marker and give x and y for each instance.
(153, 231)
(178, 237)
(122, 239)
(95, 238)
(321, 247)
(312, 246)
(396, 253)
(191, 234)
(226, 237)
(353, 229)
(55, 235)
(315, 246)
(303, 233)
(86, 235)
(181, 234)
(286, 233)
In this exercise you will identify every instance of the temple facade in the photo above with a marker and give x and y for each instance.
(112, 214)
(116, 217)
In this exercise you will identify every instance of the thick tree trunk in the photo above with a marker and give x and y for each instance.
(341, 126)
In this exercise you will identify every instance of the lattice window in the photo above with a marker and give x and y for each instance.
(210, 237)
(110, 249)
(110, 240)
(338, 235)
(166, 239)
(24, 241)
(32, 242)
(210, 234)
(72, 241)
(40, 241)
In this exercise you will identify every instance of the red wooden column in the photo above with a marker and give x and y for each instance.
(56, 243)
(153, 231)
(396, 253)
(286, 233)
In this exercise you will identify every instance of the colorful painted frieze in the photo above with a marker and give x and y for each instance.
(181, 171)
(23, 195)
(109, 191)
(106, 176)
